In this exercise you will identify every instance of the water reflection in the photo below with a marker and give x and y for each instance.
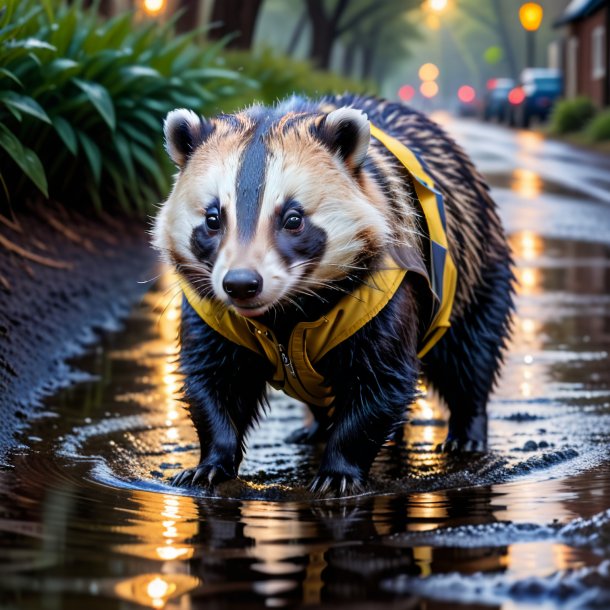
(526, 183)
(154, 590)
(265, 542)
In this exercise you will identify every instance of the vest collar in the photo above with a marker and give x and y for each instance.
(294, 363)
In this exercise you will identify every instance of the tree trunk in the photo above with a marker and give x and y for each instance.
(237, 18)
(189, 19)
(349, 58)
(324, 30)
(299, 28)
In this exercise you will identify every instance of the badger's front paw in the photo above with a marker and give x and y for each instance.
(332, 482)
(204, 475)
(457, 445)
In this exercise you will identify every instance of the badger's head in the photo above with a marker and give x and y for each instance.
(268, 205)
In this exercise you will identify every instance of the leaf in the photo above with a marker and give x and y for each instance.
(60, 70)
(92, 152)
(124, 150)
(25, 158)
(66, 133)
(9, 74)
(48, 7)
(152, 120)
(137, 135)
(25, 104)
(100, 98)
(32, 44)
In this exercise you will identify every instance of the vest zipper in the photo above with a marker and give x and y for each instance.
(286, 360)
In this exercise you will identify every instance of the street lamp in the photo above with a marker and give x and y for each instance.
(438, 6)
(530, 16)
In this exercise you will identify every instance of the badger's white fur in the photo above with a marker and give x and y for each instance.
(354, 214)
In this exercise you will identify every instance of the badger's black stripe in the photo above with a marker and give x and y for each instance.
(251, 176)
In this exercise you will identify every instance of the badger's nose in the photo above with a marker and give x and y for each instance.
(242, 283)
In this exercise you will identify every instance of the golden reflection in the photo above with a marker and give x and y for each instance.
(530, 141)
(528, 326)
(423, 558)
(164, 527)
(538, 558)
(529, 280)
(526, 183)
(526, 245)
(427, 411)
(430, 508)
(155, 590)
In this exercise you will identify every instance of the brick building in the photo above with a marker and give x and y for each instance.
(586, 49)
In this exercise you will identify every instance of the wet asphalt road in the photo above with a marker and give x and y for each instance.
(87, 518)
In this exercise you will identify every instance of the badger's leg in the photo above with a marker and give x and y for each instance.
(464, 366)
(224, 386)
(316, 432)
(374, 376)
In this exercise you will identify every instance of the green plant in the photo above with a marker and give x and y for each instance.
(279, 76)
(599, 127)
(571, 115)
(82, 102)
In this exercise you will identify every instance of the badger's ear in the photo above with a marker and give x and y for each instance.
(184, 132)
(347, 132)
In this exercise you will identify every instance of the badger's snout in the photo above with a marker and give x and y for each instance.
(242, 284)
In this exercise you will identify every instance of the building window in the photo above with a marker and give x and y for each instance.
(598, 40)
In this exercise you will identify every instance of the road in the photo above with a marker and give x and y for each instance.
(525, 525)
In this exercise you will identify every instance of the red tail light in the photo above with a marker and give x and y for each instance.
(516, 96)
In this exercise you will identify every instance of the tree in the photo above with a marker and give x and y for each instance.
(236, 18)
(331, 20)
(381, 42)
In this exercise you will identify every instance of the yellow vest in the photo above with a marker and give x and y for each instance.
(294, 363)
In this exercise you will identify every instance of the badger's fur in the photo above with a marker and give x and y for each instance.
(278, 213)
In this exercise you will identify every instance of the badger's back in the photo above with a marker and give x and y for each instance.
(475, 233)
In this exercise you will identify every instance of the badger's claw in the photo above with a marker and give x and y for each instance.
(456, 445)
(336, 485)
(203, 475)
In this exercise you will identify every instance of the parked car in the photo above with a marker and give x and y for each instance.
(495, 102)
(534, 97)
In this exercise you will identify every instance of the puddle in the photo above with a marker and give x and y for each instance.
(87, 517)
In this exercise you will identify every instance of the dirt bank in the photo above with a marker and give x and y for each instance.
(63, 276)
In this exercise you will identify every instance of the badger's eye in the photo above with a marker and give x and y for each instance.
(212, 219)
(292, 221)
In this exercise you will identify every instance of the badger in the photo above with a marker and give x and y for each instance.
(338, 250)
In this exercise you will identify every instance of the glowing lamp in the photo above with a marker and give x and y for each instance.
(428, 89)
(438, 5)
(466, 94)
(153, 7)
(492, 83)
(516, 96)
(428, 72)
(530, 15)
(406, 93)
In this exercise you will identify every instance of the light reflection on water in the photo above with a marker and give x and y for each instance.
(89, 516)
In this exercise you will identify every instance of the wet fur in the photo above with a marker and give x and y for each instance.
(225, 383)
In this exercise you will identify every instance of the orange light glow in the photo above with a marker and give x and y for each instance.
(153, 7)
(526, 183)
(428, 72)
(466, 94)
(438, 5)
(428, 89)
(530, 15)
